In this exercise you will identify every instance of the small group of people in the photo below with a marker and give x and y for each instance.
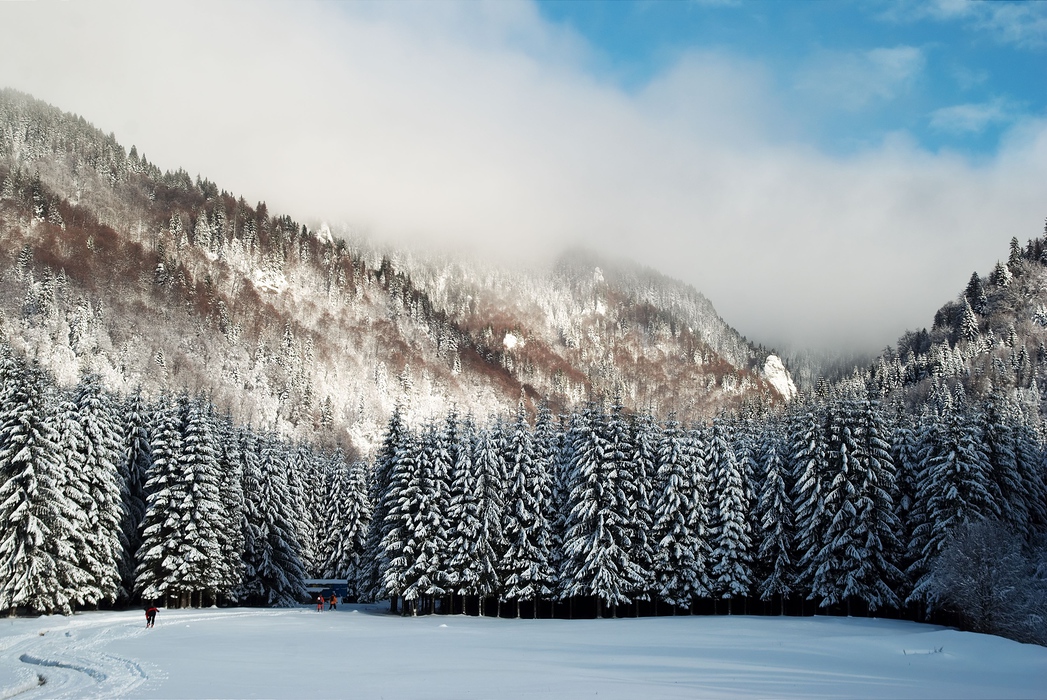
(332, 602)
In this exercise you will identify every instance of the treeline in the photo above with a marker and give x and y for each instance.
(111, 500)
(840, 503)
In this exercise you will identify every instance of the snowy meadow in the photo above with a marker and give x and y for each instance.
(360, 651)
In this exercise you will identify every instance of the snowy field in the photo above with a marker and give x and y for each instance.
(361, 652)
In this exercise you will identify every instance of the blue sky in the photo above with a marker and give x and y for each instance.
(951, 75)
(826, 173)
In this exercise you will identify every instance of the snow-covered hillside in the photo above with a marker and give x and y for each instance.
(360, 652)
(162, 281)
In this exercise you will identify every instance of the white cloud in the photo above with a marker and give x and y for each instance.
(973, 118)
(480, 126)
(853, 80)
(1023, 24)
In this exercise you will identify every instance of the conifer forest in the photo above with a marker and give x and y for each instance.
(171, 431)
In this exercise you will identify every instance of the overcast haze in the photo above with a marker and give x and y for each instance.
(818, 191)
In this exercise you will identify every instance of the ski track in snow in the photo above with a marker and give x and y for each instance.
(62, 659)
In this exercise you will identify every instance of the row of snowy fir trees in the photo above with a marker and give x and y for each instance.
(838, 500)
(107, 500)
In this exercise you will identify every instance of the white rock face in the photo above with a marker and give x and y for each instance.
(269, 281)
(775, 373)
(324, 234)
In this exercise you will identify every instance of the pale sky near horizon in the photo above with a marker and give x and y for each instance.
(828, 174)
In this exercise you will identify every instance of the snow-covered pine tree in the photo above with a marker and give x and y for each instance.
(1032, 469)
(489, 468)
(200, 569)
(369, 582)
(1004, 483)
(35, 551)
(556, 438)
(773, 521)
(231, 495)
(908, 512)
(464, 506)
(81, 584)
(696, 447)
(305, 483)
(279, 573)
(637, 478)
(676, 569)
(809, 464)
(841, 493)
(134, 465)
(329, 536)
(253, 528)
(103, 491)
(161, 528)
(596, 546)
(399, 548)
(875, 573)
(731, 535)
(351, 512)
(954, 487)
(525, 567)
(420, 510)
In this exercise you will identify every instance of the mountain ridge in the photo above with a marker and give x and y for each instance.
(158, 280)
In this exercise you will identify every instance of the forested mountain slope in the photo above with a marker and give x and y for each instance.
(992, 339)
(161, 281)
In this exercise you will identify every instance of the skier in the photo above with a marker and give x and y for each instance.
(320, 603)
(150, 616)
(333, 602)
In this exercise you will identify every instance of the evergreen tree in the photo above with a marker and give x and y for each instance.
(400, 548)
(774, 522)
(1004, 484)
(678, 530)
(905, 455)
(280, 572)
(369, 583)
(597, 545)
(349, 513)
(809, 459)
(953, 488)
(525, 567)
(490, 477)
(969, 330)
(975, 294)
(253, 527)
(35, 552)
(231, 497)
(422, 510)
(103, 490)
(464, 509)
(874, 570)
(161, 528)
(134, 465)
(731, 533)
(637, 474)
(201, 568)
(71, 476)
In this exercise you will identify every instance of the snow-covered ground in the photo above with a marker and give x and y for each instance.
(361, 652)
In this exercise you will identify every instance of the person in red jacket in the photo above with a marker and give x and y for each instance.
(320, 603)
(150, 616)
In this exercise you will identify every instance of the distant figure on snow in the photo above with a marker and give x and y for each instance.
(333, 603)
(150, 616)
(320, 603)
